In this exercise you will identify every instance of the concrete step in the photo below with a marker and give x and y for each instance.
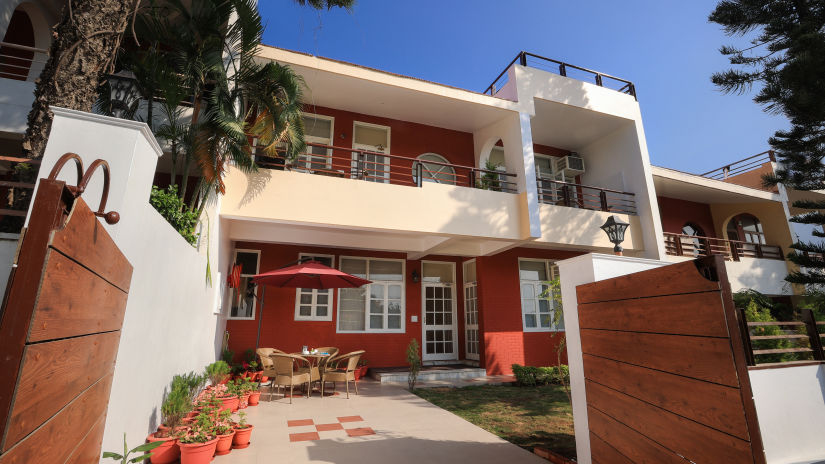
(428, 374)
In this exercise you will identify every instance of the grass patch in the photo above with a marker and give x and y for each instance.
(525, 416)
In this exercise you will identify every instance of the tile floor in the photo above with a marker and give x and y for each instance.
(384, 424)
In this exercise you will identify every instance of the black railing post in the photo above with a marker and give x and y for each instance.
(603, 200)
(419, 174)
(565, 193)
(599, 80)
(632, 90)
(522, 59)
(562, 69)
(472, 178)
(746, 336)
(359, 166)
(813, 334)
(759, 251)
(734, 251)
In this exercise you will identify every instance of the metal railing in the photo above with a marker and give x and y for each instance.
(16, 61)
(373, 166)
(793, 339)
(554, 192)
(564, 69)
(16, 195)
(733, 250)
(742, 166)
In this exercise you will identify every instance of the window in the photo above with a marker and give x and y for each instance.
(375, 307)
(317, 129)
(375, 138)
(312, 304)
(431, 172)
(696, 243)
(243, 301)
(471, 310)
(746, 228)
(537, 307)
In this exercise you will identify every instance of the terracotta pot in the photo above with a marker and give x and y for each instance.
(224, 445)
(166, 453)
(244, 401)
(257, 376)
(192, 414)
(254, 397)
(264, 379)
(197, 453)
(241, 438)
(229, 402)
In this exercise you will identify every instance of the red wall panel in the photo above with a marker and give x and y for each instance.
(676, 213)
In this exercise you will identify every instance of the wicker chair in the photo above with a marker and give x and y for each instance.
(286, 374)
(317, 373)
(342, 369)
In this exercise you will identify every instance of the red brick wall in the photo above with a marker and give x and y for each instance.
(280, 329)
(676, 213)
(505, 341)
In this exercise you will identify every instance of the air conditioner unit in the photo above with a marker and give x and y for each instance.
(570, 166)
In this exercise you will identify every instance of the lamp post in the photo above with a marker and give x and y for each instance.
(615, 229)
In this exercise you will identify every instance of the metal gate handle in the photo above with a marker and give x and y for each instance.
(112, 217)
(62, 162)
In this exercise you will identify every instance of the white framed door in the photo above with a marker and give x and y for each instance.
(438, 301)
(471, 332)
(375, 138)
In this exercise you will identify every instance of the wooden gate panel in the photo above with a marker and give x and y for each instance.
(54, 373)
(63, 308)
(607, 453)
(665, 376)
(60, 328)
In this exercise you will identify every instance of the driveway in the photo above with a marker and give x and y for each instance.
(385, 423)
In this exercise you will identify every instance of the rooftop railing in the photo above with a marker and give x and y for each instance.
(374, 166)
(733, 250)
(16, 61)
(563, 69)
(742, 166)
(554, 192)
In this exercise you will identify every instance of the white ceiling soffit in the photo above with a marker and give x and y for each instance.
(683, 186)
(570, 127)
(357, 89)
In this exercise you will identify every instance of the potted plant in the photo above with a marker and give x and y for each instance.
(243, 431)
(174, 409)
(245, 388)
(217, 373)
(362, 368)
(198, 444)
(254, 393)
(225, 432)
(228, 395)
(124, 458)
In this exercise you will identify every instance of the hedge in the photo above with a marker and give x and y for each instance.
(532, 376)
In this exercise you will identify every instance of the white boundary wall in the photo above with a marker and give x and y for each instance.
(172, 323)
(790, 405)
(577, 271)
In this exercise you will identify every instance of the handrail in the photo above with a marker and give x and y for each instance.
(550, 179)
(570, 194)
(23, 47)
(629, 88)
(732, 250)
(803, 331)
(739, 167)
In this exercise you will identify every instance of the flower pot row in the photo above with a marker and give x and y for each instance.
(199, 452)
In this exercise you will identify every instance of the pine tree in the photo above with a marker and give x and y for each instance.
(786, 58)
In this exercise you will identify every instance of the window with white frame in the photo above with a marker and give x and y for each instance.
(317, 129)
(243, 303)
(312, 304)
(375, 307)
(537, 305)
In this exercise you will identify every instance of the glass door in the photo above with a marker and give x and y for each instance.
(438, 307)
(471, 334)
(369, 166)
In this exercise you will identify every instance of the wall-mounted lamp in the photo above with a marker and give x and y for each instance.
(615, 229)
(415, 277)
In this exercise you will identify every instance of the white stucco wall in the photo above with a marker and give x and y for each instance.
(790, 406)
(574, 272)
(170, 326)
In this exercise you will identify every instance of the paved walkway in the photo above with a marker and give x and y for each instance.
(385, 423)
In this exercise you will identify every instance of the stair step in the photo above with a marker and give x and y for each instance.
(428, 375)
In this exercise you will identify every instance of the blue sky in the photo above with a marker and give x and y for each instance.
(666, 47)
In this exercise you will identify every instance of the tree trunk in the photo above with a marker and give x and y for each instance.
(83, 50)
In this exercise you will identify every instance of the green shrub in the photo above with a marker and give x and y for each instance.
(754, 312)
(414, 360)
(533, 376)
(174, 210)
(217, 371)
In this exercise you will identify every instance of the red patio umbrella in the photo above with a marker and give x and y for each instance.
(305, 274)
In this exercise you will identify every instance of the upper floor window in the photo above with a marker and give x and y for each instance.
(373, 138)
(317, 129)
(433, 169)
(374, 307)
(243, 302)
(537, 305)
(746, 228)
(312, 304)
(696, 244)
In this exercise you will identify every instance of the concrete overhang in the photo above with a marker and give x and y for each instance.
(571, 127)
(683, 186)
(340, 85)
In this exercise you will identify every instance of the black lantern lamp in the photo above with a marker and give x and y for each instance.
(615, 228)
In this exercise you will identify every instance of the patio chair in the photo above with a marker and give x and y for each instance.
(287, 374)
(342, 369)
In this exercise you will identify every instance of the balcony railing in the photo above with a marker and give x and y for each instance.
(373, 166)
(742, 166)
(554, 192)
(733, 250)
(563, 69)
(16, 61)
(792, 341)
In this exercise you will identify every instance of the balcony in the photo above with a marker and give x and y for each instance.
(19, 67)
(554, 192)
(692, 246)
(379, 167)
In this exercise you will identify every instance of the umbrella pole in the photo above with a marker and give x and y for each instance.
(260, 318)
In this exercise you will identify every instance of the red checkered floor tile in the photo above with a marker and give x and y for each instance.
(332, 428)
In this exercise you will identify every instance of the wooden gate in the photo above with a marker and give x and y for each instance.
(664, 366)
(60, 327)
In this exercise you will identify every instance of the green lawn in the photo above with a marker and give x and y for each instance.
(525, 416)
